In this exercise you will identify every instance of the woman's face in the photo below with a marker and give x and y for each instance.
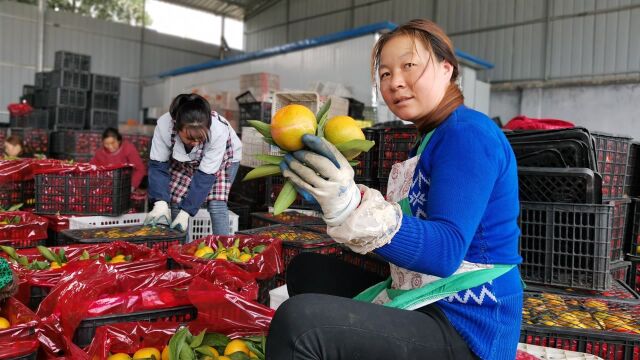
(412, 83)
(12, 150)
(186, 139)
(111, 144)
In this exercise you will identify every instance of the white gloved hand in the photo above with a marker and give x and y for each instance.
(326, 175)
(160, 210)
(372, 225)
(181, 222)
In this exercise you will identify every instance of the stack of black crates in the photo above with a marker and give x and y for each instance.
(576, 222)
(63, 91)
(104, 99)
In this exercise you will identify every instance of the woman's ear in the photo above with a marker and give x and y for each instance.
(447, 69)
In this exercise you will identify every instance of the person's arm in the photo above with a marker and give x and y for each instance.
(139, 170)
(159, 176)
(465, 166)
(204, 177)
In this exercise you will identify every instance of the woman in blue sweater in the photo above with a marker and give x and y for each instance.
(448, 228)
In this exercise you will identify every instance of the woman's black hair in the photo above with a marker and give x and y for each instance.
(192, 113)
(112, 132)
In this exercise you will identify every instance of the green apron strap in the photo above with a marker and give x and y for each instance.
(409, 299)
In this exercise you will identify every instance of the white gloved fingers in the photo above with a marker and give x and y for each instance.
(160, 210)
(305, 173)
(349, 196)
(371, 225)
(319, 163)
(297, 181)
(181, 222)
(323, 147)
(344, 163)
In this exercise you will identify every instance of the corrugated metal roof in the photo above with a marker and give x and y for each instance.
(236, 9)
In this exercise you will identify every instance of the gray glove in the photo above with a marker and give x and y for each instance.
(326, 175)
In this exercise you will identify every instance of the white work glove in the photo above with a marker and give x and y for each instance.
(160, 210)
(326, 175)
(181, 222)
(370, 226)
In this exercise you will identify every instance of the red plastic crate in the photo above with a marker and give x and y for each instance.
(394, 144)
(612, 159)
(18, 192)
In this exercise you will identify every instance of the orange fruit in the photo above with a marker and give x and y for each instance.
(165, 353)
(147, 353)
(119, 356)
(222, 256)
(55, 265)
(204, 251)
(236, 345)
(290, 123)
(4, 323)
(245, 257)
(340, 129)
(223, 358)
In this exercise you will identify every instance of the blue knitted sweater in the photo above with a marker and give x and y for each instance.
(465, 198)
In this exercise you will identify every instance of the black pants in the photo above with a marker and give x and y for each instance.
(320, 321)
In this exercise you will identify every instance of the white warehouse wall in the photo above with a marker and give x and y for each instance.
(609, 108)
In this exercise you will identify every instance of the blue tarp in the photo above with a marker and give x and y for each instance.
(308, 43)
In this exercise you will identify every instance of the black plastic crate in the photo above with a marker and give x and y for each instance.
(296, 240)
(619, 246)
(17, 192)
(76, 142)
(567, 245)
(563, 185)
(35, 119)
(79, 158)
(102, 119)
(104, 100)
(28, 89)
(52, 97)
(619, 290)
(36, 295)
(273, 187)
(160, 238)
(251, 193)
(394, 145)
(264, 286)
(632, 180)
(382, 185)
(243, 211)
(35, 140)
(356, 108)
(67, 118)
(63, 79)
(633, 228)
(87, 327)
(602, 327)
(89, 193)
(633, 278)
(369, 262)
(65, 60)
(368, 161)
(612, 157)
(105, 83)
(255, 111)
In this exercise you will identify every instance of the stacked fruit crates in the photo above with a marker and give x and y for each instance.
(63, 91)
(104, 98)
(573, 217)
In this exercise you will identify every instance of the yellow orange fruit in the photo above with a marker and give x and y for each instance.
(233, 252)
(252, 355)
(204, 251)
(119, 356)
(235, 346)
(245, 257)
(4, 323)
(147, 353)
(56, 265)
(342, 128)
(223, 358)
(165, 353)
(290, 123)
(222, 256)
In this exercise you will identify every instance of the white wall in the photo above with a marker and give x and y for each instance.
(115, 50)
(609, 108)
